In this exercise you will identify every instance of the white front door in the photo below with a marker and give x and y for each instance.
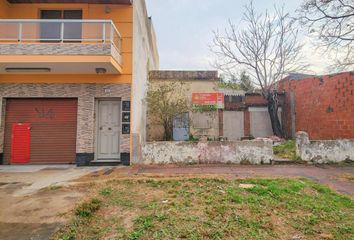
(108, 130)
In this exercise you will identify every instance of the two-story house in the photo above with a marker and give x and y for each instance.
(73, 79)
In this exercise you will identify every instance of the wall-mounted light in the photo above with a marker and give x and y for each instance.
(31, 70)
(101, 70)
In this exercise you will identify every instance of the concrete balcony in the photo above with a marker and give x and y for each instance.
(59, 46)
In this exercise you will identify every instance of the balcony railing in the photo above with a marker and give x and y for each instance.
(59, 31)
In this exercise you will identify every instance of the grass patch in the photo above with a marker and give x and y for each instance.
(286, 150)
(87, 209)
(52, 188)
(106, 191)
(213, 209)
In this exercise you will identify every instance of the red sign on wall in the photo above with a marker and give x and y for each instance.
(213, 99)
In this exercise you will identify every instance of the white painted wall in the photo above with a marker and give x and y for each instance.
(233, 125)
(260, 121)
(145, 59)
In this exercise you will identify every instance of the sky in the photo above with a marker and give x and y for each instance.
(184, 30)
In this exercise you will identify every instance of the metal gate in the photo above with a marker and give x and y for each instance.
(181, 127)
(53, 129)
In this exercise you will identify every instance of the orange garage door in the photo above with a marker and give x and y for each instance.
(52, 128)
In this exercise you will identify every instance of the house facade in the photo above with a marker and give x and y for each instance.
(72, 80)
(191, 123)
(242, 115)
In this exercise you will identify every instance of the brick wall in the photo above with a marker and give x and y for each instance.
(323, 106)
(255, 99)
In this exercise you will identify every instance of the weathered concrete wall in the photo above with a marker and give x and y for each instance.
(239, 152)
(326, 151)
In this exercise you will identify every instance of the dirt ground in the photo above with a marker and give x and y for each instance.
(34, 204)
(34, 216)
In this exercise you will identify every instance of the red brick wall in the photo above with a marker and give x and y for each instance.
(324, 106)
(255, 99)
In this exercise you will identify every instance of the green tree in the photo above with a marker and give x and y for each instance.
(246, 83)
(165, 100)
(236, 82)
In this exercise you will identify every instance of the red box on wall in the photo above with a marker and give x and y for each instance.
(21, 143)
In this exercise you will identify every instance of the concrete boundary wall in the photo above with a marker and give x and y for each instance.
(237, 152)
(325, 151)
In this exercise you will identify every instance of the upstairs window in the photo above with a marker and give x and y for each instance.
(52, 31)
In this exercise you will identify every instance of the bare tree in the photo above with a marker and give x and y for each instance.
(266, 46)
(332, 22)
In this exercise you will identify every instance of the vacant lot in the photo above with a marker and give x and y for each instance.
(210, 208)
